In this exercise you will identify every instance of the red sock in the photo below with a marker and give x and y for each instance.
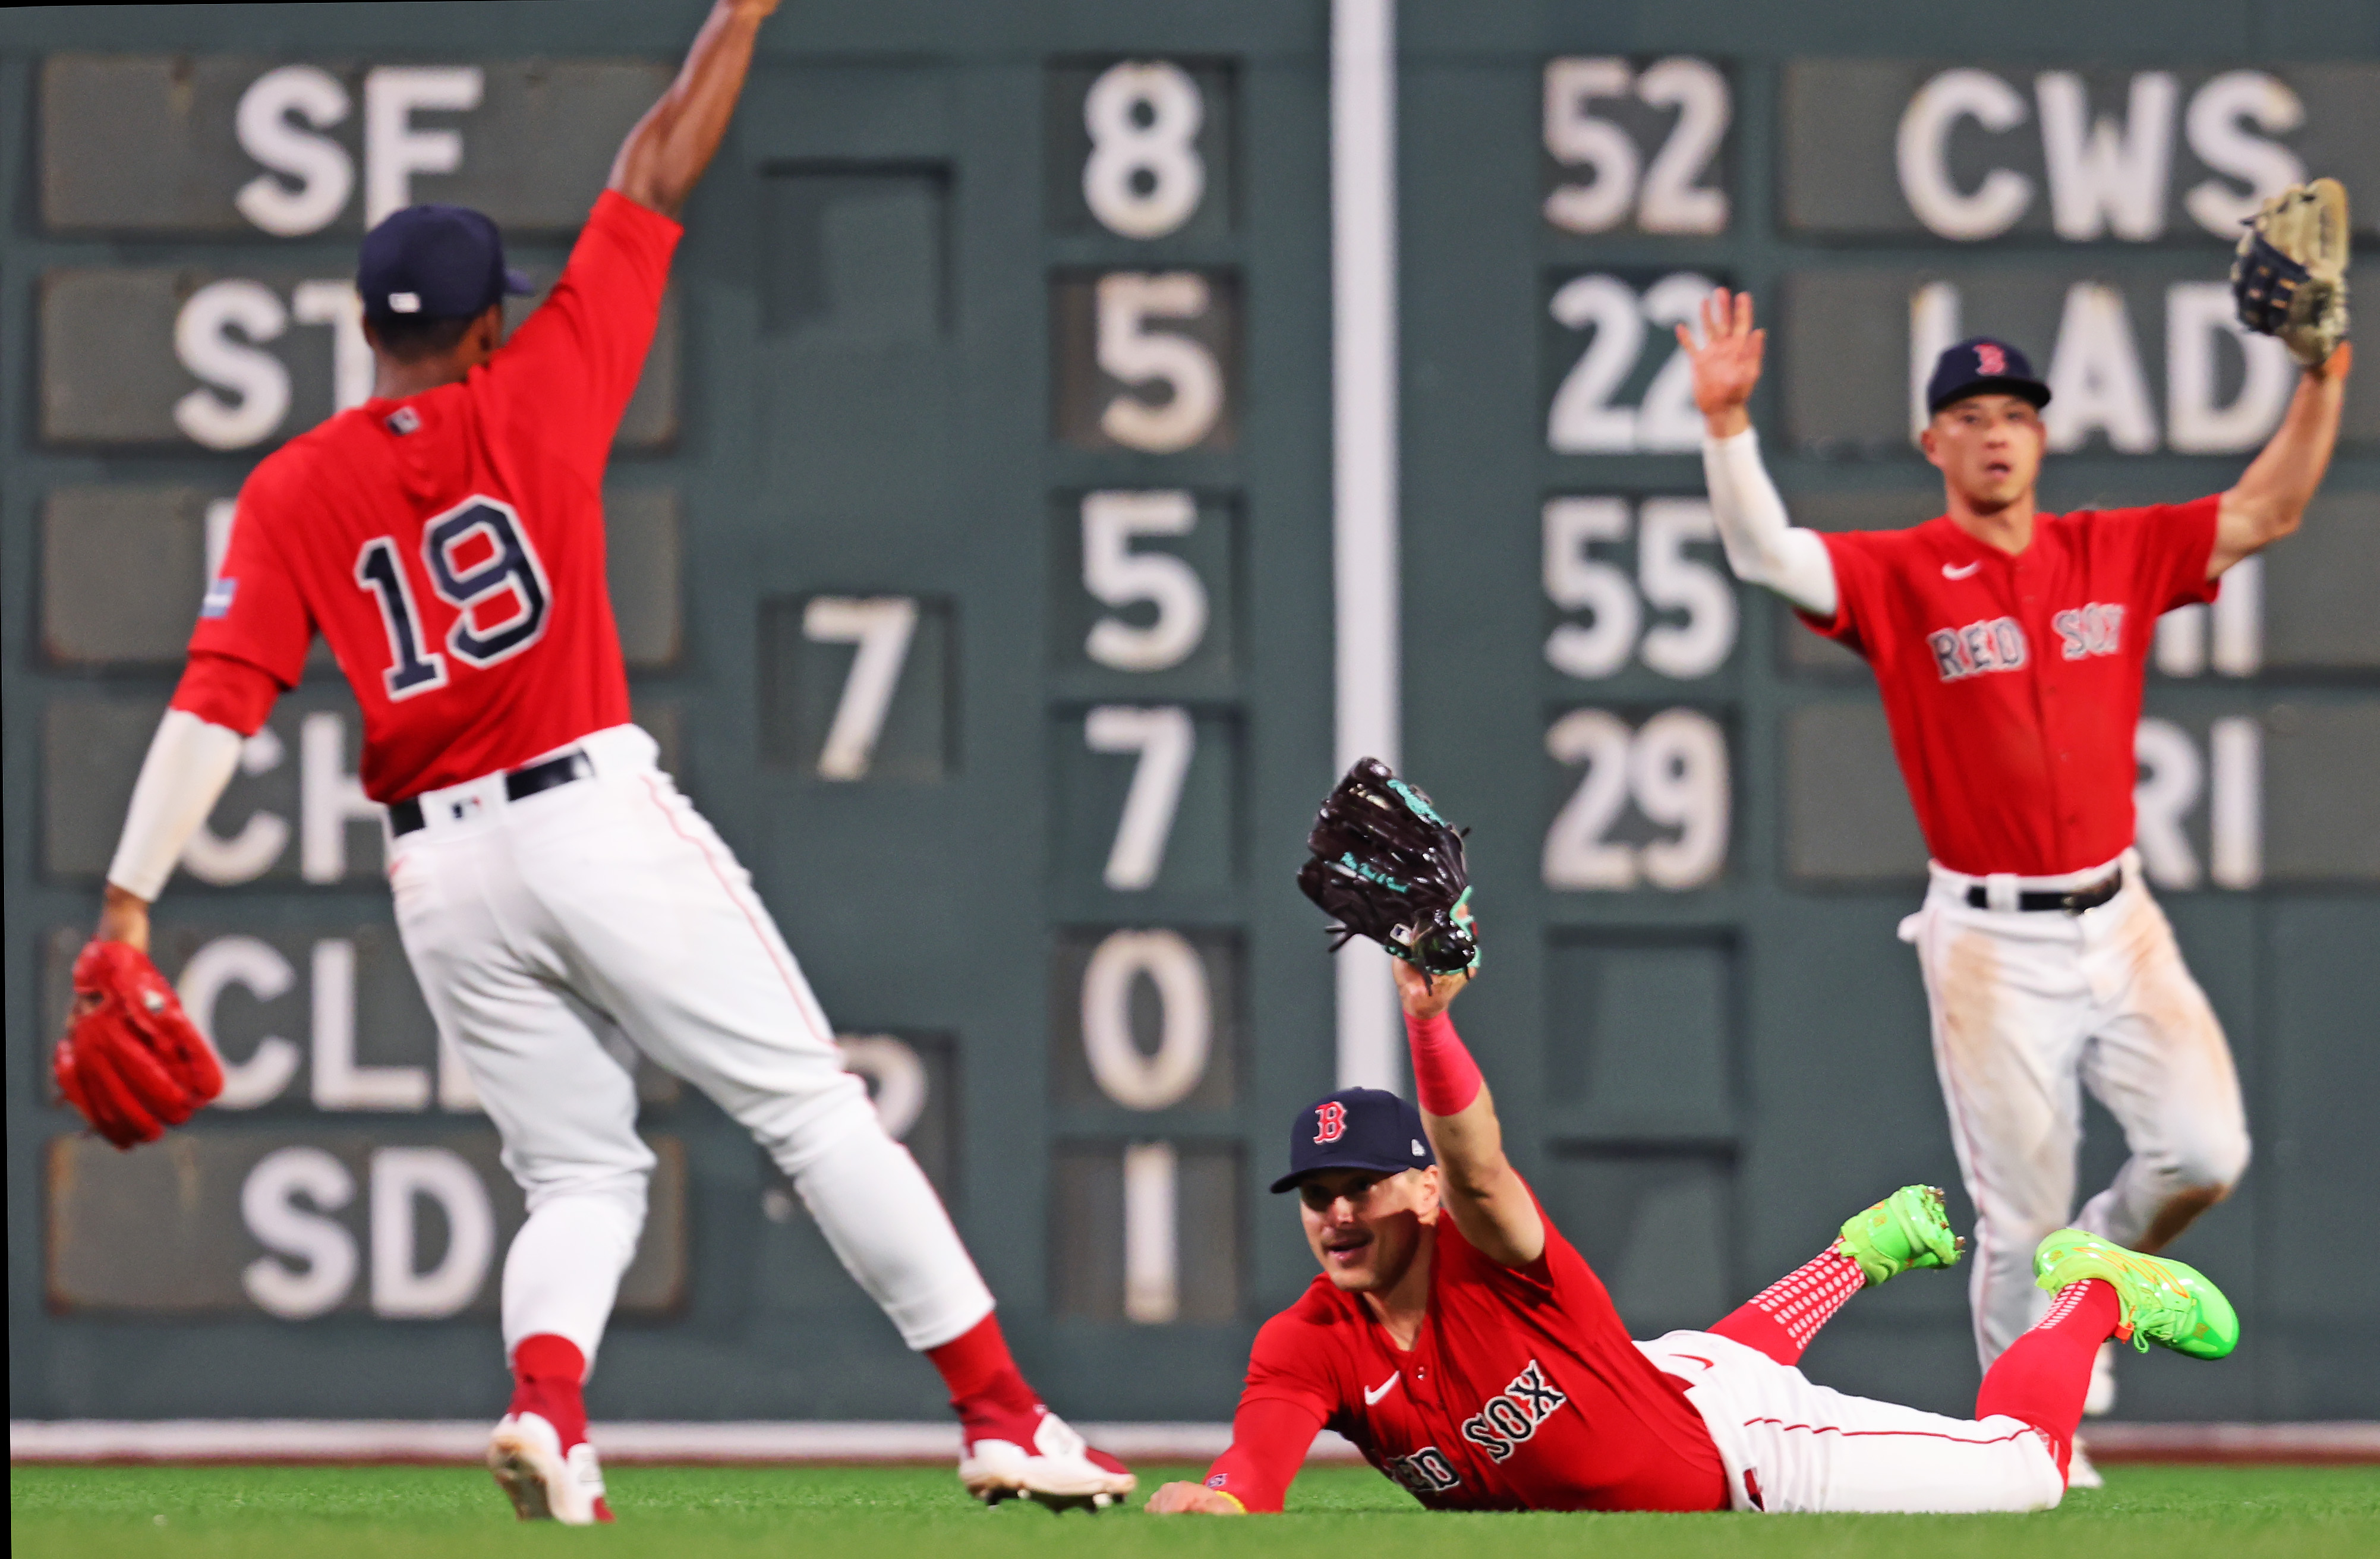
(548, 1371)
(1781, 1319)
(2043, 1377)
(983, 1380)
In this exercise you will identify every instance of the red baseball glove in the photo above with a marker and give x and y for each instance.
(132, 1061)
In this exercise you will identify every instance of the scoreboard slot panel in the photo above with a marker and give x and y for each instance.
(1147, 1232)
(1142, 149)
(205, 358)
(856, 254)
(1149, 1019)
(1146, 797)
(2142, 354)
(1847, 817)
(1641, 145)
(1146, 360)
(1145, 587)
(1638, 595)
(293, 813)
(1969, 151)
(1644, 799)
(323, 1017)
(1616, 382)
(212, 145)
(292, 1224)
(1641, 1043)
(2320, 811)
(859, 687)
(2316, 614)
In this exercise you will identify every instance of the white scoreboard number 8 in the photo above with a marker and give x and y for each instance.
(1143, 178)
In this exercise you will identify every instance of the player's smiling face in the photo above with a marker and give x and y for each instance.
(1989, 449)
(1364, 1227)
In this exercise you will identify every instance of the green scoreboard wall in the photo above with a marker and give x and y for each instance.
(971, 539)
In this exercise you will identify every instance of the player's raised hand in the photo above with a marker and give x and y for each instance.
(1423, 995)
(666, 154)
(1727, 360)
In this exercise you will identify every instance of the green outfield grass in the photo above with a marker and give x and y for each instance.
(310, 1513)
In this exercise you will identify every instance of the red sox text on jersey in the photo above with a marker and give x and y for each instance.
(2018, 759)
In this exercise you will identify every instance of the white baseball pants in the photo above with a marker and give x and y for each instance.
(1790, 1444)
(609, 902)
(2029, 1007)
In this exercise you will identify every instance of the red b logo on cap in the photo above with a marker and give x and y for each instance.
(1990, 360)
(1332, 1116)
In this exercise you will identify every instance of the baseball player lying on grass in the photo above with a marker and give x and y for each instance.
(1473, 1355)
(446, 536)
(2011, 648)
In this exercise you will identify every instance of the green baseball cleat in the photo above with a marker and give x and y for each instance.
(2163, 1301)
(1906, 1229)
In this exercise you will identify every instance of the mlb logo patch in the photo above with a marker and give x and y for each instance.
(403, 421)
(218, 599)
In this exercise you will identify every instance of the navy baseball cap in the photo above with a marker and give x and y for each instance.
(1982, 366)
(1356, 1128)
(433, 263)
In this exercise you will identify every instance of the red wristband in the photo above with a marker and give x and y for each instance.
(1445, 1078)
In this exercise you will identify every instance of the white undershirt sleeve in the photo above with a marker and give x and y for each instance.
(1763, 546)
(189, 762)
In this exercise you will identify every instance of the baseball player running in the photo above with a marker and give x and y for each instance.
(1468, 1350)
(446, 536)
(2009, 646)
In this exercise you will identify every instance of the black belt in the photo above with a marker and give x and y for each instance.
(2073, 901)
(404, 816)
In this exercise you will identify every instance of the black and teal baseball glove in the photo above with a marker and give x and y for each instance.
(1385, 865)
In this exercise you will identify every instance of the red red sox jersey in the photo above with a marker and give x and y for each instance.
(1522, 1391)
(2013, 683)
(449, 545)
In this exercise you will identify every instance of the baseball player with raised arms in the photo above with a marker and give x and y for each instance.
(446, 536)
(2011, 646)
(1471, 1355)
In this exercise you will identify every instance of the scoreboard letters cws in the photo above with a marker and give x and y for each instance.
(970, 540)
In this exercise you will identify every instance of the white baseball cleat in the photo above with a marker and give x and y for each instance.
(2080, 1473)
(545, 1484)
(1044, 1459)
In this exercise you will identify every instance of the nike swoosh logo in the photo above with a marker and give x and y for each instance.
(1950, 573)
(1372, 1396)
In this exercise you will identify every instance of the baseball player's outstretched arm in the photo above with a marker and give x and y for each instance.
(2272, 493)
(1763, 546)
(189, 762)
(219, 703)
(1483, 1192)
(663, 157)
